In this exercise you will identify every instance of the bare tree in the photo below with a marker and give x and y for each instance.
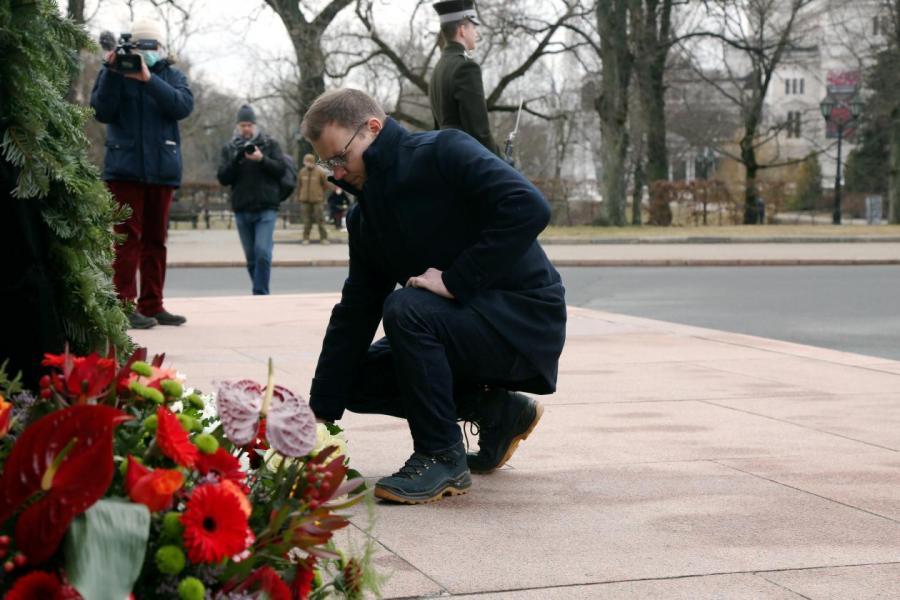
(306, 38)
(757, 37)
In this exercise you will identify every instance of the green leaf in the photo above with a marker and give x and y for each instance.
(104, 549)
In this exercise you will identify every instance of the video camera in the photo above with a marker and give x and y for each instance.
(126, 60)
(249, 148)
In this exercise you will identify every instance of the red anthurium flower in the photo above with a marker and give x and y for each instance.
(215, 526)
(223, 465)
(152, 488)
(5, 415)
(37, 585)
(64, 460)
(173, 440)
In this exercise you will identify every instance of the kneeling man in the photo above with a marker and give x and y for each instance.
(481, 310)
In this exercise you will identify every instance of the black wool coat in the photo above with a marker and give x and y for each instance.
(254, 185)
(440, 199)
(456, 94)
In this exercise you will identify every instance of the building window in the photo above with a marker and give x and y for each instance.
(793, 125)
(795, 86)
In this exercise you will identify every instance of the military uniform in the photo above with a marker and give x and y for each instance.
(456, 92)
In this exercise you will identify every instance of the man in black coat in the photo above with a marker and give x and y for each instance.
(252, 163)
(481, 311)
(456, 91)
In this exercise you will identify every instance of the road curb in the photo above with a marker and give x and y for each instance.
(577, 262)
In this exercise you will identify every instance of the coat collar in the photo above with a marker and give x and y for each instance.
(382, 152)
(454, 48)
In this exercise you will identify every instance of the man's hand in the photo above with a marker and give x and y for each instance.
(432, 281)
(256, 156)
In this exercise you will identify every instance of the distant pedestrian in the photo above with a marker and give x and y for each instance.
(312, 185)
(252, 164)
(338, 203)
(142, 166)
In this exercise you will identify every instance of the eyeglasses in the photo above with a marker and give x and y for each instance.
(340, 159)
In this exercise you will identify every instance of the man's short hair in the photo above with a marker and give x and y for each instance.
(344, 107)
(448, 30)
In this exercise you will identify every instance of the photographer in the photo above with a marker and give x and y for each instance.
(252, 164)
(142, 167)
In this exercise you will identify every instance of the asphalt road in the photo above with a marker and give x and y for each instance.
(854, 309)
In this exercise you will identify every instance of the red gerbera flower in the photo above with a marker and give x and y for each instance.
(5, 415)
(173, 440)
(86, 377)
(215, 526)
(223, 465)
(37, 585)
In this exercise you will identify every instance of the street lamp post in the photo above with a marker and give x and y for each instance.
(837, 113)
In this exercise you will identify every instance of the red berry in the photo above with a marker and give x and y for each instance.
(8, 566)
(45, 381)
(46, 393)
(20, 560)
(311, 478)
(3, 553)
(4, 540)
(313, 504)
(326, 485)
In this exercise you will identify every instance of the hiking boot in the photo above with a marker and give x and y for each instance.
(427, 478)
(138, 321)
(164, 317)
(503, 420)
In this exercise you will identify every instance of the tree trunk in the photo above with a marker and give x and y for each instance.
(748, 158)
(894, 174)
(612, 104)
(652, 25)
(306, 37)
(637, 194)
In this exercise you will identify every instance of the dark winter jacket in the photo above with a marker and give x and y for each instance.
(254, 185)
(142, 139)
(440, 199)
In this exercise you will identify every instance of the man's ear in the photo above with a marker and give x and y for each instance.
(374, 125)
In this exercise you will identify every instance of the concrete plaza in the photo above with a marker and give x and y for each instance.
(673, 462)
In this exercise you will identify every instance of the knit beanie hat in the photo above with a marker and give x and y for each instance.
(148, 29)
(246, 114)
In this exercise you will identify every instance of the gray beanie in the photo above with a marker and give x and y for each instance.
(245, 113)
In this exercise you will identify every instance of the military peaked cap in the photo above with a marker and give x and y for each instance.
(456, 10)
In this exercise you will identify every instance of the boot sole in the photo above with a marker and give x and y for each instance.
(448, 491)
(538, 412)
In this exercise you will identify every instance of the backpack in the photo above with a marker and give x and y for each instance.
(288, 181)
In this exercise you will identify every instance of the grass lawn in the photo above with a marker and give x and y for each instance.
(741, 231)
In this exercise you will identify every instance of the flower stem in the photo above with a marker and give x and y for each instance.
(270, 386)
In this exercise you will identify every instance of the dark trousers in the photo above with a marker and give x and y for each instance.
(436, 352)
(144, 246)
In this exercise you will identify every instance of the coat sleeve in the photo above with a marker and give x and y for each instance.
(274, 164)
(468, 91)
(351, 329)
(514, 212)
(228, 162)
(175, 100)
(106, 95)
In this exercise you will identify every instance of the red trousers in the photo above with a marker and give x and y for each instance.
(144, 246)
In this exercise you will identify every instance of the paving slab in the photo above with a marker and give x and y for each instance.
(712, 587)
(867, 582)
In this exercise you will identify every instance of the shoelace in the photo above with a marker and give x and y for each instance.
(473, 427)
(413, 465)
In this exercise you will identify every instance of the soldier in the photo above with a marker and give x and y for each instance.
(457, 92)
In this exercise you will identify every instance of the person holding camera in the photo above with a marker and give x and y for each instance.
(141, 97)
(253, 164)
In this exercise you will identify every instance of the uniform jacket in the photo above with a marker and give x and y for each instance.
(440, 199)
(312, 185)
(142, 139)
(457, 96)
(254, 185)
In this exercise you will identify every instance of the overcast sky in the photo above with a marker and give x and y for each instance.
(227, 37)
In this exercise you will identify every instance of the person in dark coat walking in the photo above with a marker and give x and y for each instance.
(481, 310)
(252, 163)
(142, 167)
(456, 91)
